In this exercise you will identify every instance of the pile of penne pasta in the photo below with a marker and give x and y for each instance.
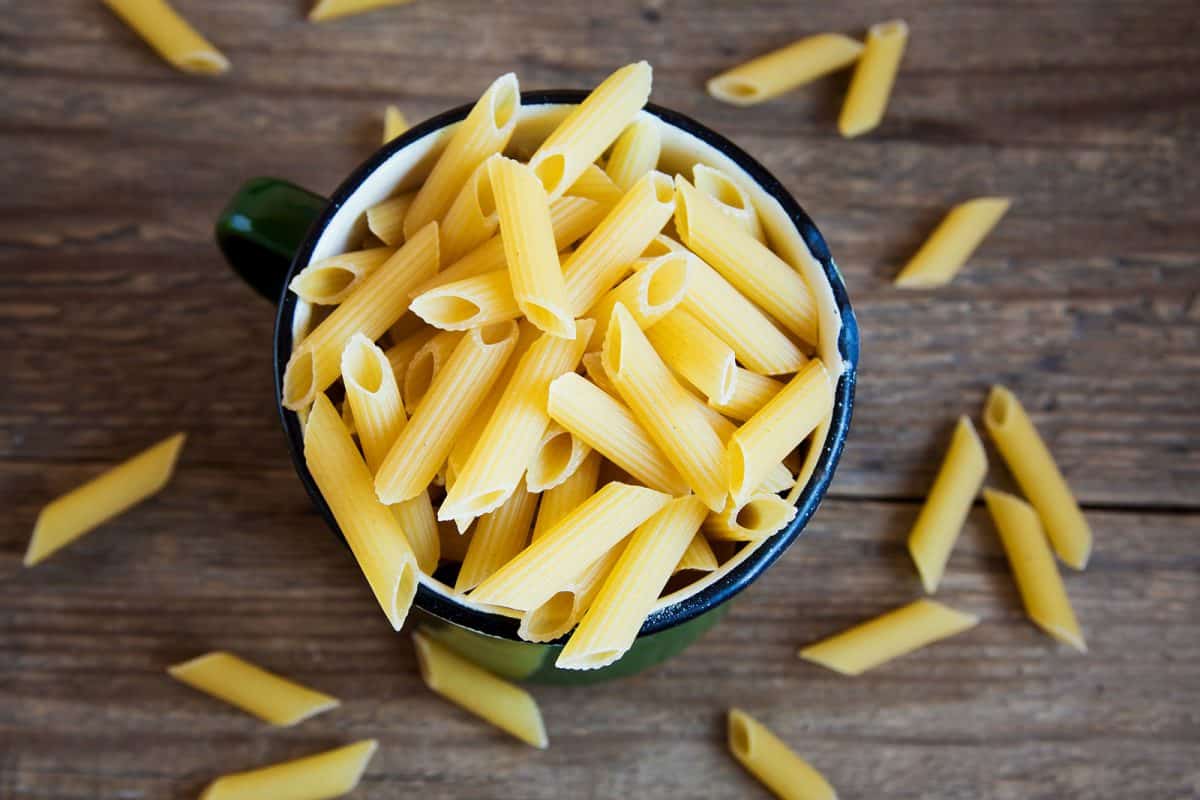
(570, 380)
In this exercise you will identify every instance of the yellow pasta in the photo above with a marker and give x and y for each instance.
(1033, 568)
(558, 455)
(612, 430)
(591, 127)
(729, 198)
(323, 776)
(670, 414)
(271, 698)
(751, 392)
(748, 264)
(161, 27)
(698, 557)
(401, 353)
(606, 255)
(567, 549)
(593, 184)
(635, 152)
(326, 10)
(499, 536)
(394, 123)
(425, 365)
(470, 302)
(472, 218)
(375, 537)
(1039, 477)
(761, 516)
(611, 624)
(380, 299)
(457, 391)
(777, 429)
(511, 436)
(775, 765)
(593, 366)
(113, 492)
(529, 248)
(871, 85)
(888, 636)
(778, 479)
(785, 69)
(330, 280)
(484, 132)
(696, 354)
(945, 510)
(559, 500)
(508, 707)
(386, 220)
(558, 615)
(953, 242)
(655, 290)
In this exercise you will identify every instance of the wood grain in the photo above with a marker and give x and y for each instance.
(120, 324)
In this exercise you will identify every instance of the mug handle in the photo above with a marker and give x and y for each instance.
(262, 227)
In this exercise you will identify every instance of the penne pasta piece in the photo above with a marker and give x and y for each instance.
(470, 302)
(772, 762)
(401, 353)
(635, 152)
(751, 392)
(1030, 462)
(696, 354)
(565, 551)
(662, 245)
(606, 255)
(329, 281)
(593, 365)
(594, 184)
(326, 10)
(161, 27)
(873, 78)
(511, 436)
(375, 537)
(505, 705)
(888, 636)
(699, 556)
(271, 698)
(729, 198)
(785, 69)
(778, 479)
(760, 517)
(591, 127)
(109, 494)
(485, 132)
(655, 290)
(748, 264)
(558, 455)
(425, 365)
(559, 500)
(952, 243)
(323, 776)
(777, 429)
(454, 545)
(456, 392)
(380, 300)
(499, 536)
(472, 218)
(611, 429)
(611, 624)
(1033, 568)
(527, 233)
(386, 220)
(945, 509)
(394, 124)
(558, 615)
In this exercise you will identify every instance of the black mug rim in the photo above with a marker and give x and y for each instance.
(739, 577)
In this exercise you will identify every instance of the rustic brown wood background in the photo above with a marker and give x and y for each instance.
(119, 324)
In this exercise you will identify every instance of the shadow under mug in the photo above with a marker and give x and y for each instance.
(271, 229)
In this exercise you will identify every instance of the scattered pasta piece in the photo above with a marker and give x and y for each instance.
(333, 9)
(785, 69)
(271, 698)
(394, 123)
(873, 78)
(170, 35)
(953, 241)
(767, 758)
(323, 776)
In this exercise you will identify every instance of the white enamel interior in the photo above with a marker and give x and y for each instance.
(680, 151)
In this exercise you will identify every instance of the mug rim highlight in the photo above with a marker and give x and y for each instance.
(741, 575)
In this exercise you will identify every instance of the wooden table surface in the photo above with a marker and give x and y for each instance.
(120, 324)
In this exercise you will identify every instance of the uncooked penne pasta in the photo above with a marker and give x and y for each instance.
(591, 127)
(1030, 462)
(380, 299)
(748, 264)
(777, 429)
(730, 198)
(270, 697)
(559, 500)
(751, 392)
(529, 248)
(635, 152)
(946, 507)
(326, 10)
(596, 185)
(508, 707)
(472, 218)
(109, 494)
(558, 455)
(610, 626)
(775, 765)
(329, 281)
(612, 430)
(953, 242)
(1033, 568)
(593, 365)
(888, 636)
(470, 302)
(567, 549)
(662, 245)
(485, 131)
(401, 353)
(499, 536)
(696, 354)
(778, 479)
(161, 27)
(785, 69)
(323, 776)
(564, 609)
(386, 220)
(655, 290)
(871, 85)
(456, 392)
(425, 365)
(394, 124)
(759, 517)
(375, 537)
(698, 557)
